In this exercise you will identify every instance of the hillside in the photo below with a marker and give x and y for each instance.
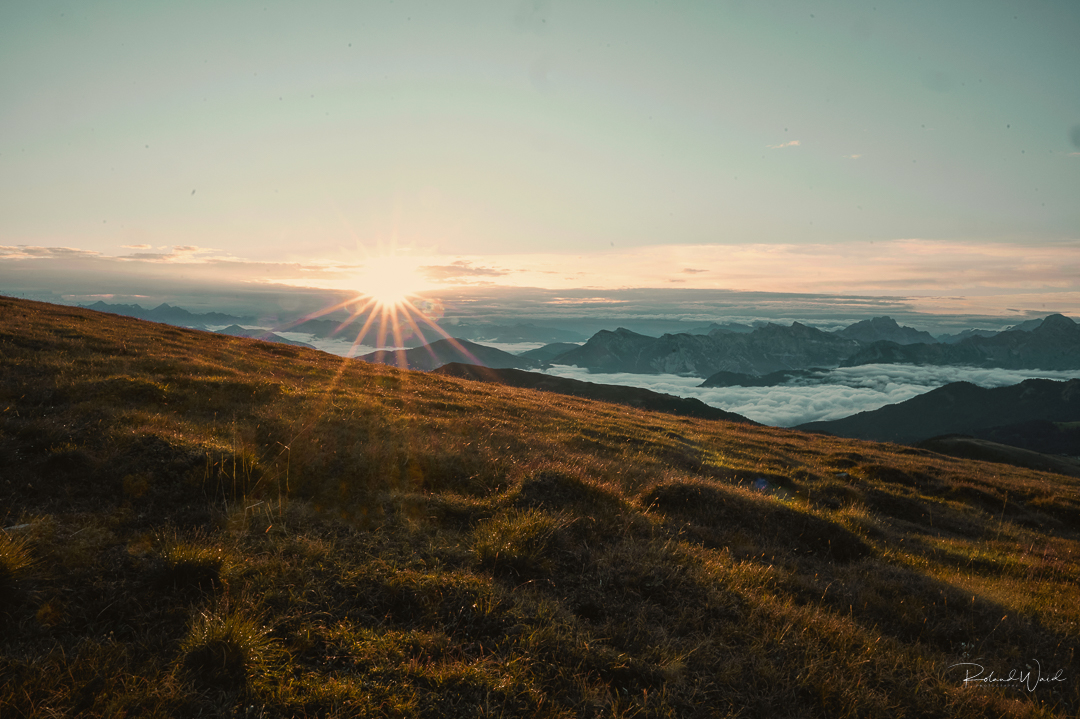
(265, 336)
(960, 408)
(445, 351)
(549, 351)
(195, 524)
(977, 448)
(616, 394)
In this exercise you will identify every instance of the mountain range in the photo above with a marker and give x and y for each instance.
(168, 314)
(1053, 343)
(751, 349)
(766, 349)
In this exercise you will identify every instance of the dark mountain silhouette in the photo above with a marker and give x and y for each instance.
(445, 351)
(885, 329)
(264, 335)
(1053, 344)
(168, 314)
(960, 408)
(767, 349)
(960, 336)
(1038, 435)
(549, 352)
(734, 327)
(773, 379)
(1027, 325)
(976, 448)
(616, 394)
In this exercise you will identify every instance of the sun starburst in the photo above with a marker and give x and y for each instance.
(388, 296)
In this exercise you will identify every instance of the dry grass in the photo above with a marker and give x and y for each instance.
(225, 649)
(212, 525)
(16, 563)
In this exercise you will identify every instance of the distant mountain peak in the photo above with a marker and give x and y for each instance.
(884, 328)
(1055, 322)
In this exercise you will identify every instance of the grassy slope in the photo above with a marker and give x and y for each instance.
(206, 524)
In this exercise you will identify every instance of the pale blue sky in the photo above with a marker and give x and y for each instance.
(589, 133)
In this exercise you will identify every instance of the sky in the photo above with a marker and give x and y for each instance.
(923, 151)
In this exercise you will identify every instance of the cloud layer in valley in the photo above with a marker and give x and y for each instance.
(835, 394)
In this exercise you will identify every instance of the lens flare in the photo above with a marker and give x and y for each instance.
(387, 292)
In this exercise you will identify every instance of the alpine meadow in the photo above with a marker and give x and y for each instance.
(197, 524)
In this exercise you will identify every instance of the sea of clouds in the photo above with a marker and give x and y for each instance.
(828, 395)
(823, 395)
(342, 346)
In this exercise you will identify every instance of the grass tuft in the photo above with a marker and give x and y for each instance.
(16, 563)
(518, 540)
(225, 649)
(185, 565)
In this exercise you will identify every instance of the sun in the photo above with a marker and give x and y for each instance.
(388, 290)
(389, 281)
(388, 302)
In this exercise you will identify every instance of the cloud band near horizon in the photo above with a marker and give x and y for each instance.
(965, 276)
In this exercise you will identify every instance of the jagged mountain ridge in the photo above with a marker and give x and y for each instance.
(168, 314)
(767, 349)
(1053, 345)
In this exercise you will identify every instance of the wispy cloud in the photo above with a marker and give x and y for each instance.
(793, 143)
(853, 157)
(137, 247)
(692, 271)
(460, 270)
(30, 252)
(179, 253)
